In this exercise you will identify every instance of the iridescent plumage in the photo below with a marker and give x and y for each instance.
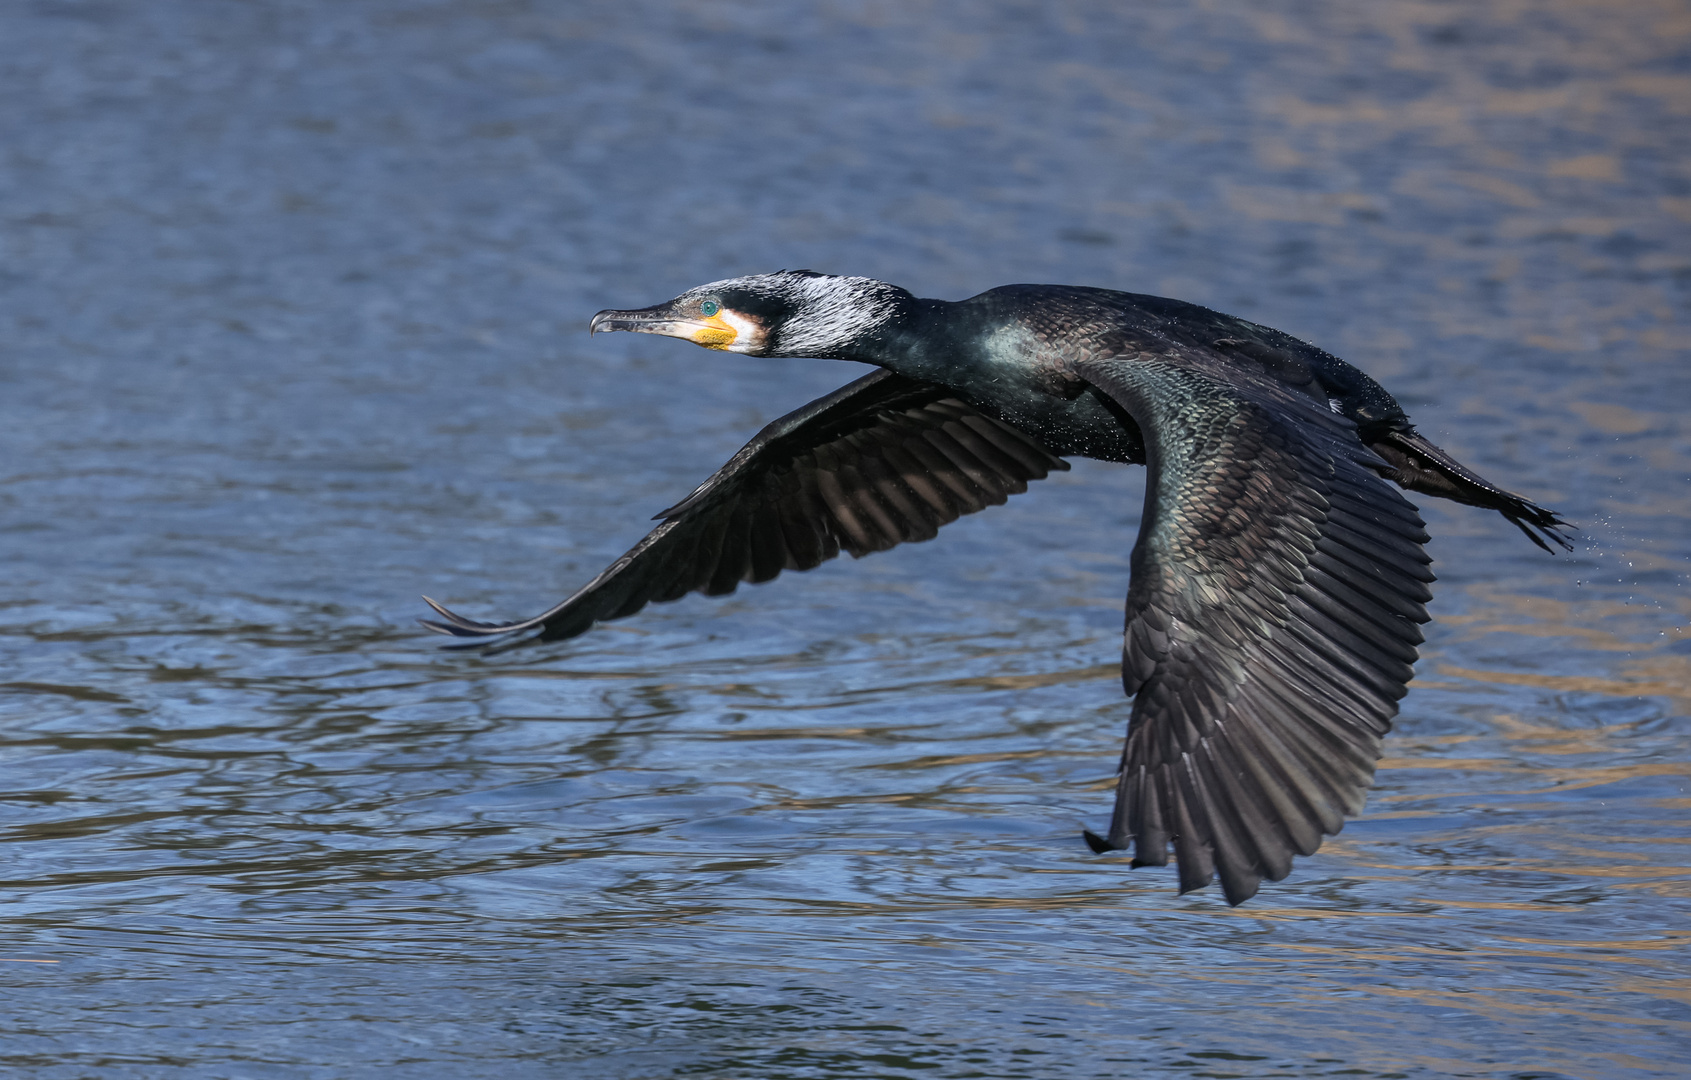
(1279, 580)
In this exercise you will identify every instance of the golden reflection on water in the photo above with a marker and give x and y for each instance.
(1676, 685)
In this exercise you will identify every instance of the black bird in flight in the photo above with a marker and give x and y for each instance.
(1278, 582)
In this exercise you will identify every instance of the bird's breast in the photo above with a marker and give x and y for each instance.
(1019, 377)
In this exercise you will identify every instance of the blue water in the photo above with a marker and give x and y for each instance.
(294, 299)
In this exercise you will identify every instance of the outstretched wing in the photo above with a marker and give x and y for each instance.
(1278, 587)
(881, 461)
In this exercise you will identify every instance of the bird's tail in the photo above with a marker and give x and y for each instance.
(1421, 466)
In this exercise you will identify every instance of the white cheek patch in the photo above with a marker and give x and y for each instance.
(747, 333)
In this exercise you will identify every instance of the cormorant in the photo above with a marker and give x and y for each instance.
(1278, 582)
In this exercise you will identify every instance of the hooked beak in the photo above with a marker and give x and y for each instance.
(712, 332)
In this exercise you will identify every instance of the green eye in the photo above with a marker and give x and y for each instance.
(709, 308)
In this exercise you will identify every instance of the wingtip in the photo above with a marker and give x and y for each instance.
(432, 602)
(449, 629)
(451, 622)
(1098, 844)
(1237, 892)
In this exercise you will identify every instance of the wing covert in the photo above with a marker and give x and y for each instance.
(881, 461)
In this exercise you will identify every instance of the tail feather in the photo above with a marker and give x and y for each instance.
(1421, 466)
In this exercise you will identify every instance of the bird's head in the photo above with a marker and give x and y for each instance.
(791, 313)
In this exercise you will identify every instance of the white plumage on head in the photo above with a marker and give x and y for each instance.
(819, 314)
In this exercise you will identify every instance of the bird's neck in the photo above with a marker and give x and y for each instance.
(958, 344)
(919, 341)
